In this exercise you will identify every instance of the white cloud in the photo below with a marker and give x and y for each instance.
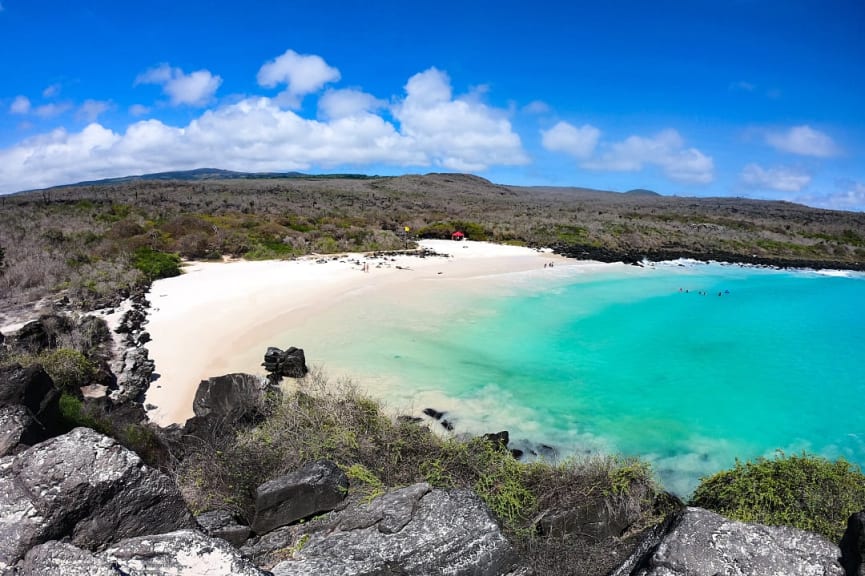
(343, 103)
(804, 141)
(301, 73)
(536, 107)
(665, 150)
(564, 137)
(92, 109)
(21, 105)
(458, 134)
(51, 91)
(780, 178)
(194, 89)
(256, 134)
(138, 110)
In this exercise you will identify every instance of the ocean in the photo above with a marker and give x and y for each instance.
(687, 365)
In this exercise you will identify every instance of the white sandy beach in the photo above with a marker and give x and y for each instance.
(200, 320)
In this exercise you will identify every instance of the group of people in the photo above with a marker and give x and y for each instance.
(548, 264)
(704, 292)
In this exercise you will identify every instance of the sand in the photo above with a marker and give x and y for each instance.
(208, 321)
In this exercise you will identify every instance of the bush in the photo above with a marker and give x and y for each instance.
(805, 491)
(154, 264)
(69, 369)
(336, 422)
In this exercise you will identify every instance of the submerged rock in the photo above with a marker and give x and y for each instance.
(696, 542)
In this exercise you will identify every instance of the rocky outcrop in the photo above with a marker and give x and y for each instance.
(136, 373)
(317, 487)
(84, 487)
(853, 545)
(181, 553)
(696, 542)
(223, 524)
(413, 531)
(231, 397)
(290, 363)
(223, 402)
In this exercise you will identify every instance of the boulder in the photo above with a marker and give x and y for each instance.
(33, 338)
(412, 531)
(696, 542)
(32, 388)
(181, 553)
(231, 397)
(317, 487)
(84, 487)
(291, 363)
(223, 524)
(853, 545)
(18, 429)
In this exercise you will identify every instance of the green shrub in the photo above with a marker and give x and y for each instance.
(69, 369)
(154, 264)
(805, 491)
(73, 414)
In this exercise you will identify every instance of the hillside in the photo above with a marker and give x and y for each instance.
(95, 242)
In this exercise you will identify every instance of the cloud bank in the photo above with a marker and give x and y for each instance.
(427, 126)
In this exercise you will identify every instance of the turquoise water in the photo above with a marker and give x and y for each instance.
(625, 362)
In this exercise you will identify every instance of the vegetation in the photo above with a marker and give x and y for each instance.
(154, 264)
(335, 421)
(97, 243)
(804, 491)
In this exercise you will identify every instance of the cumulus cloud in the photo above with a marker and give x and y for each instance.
(257, 134)
(564, 137)
(302, 74)
(804, 141)
(343, 103)
(21, 105)
(456, 133)
(665, 150)
(90, 110)
(194, 89)
(780, 178)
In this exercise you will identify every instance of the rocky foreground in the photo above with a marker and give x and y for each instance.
(79, 503)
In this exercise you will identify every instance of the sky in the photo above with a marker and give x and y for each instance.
(746, 98)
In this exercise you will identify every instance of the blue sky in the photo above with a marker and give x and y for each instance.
(747, 98)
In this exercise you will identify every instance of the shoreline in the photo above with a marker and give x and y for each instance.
(205, 322)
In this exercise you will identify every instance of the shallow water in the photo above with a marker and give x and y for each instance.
(622, 361)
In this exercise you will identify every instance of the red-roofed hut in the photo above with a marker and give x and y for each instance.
(458, 236)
